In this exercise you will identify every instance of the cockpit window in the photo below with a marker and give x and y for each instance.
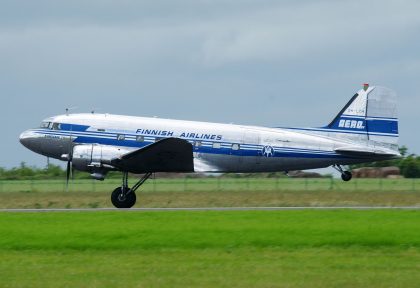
(56, 126)
(45, 124)
(51, 125)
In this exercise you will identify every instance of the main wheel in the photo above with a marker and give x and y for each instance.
(346, 176)
(119, 200)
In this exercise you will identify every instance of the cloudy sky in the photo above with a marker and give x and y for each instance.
(272, 63)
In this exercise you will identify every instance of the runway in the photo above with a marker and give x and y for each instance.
(212, 209)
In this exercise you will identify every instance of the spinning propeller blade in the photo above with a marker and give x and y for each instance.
(67, 175)
(69, 170)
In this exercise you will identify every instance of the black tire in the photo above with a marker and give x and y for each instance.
(346, 176)
(123, 202)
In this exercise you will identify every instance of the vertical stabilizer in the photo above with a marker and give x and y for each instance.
(371, 116)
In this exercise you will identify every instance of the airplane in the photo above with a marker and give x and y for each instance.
(365, 130)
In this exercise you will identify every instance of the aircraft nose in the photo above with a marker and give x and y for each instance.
(23, 138)
(26, 139)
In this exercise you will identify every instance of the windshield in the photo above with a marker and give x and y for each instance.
(56, 126)
(45, 124)
(50, 125)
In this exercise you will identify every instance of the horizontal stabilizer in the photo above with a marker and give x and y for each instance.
(167, 155)
(365, 151)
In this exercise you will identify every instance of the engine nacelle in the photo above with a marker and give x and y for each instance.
(95, 158)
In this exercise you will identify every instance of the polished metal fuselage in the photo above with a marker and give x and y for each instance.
(217, 147)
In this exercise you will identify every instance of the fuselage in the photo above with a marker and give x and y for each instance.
(217, 147)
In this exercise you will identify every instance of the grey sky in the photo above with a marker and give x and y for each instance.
(273, 63)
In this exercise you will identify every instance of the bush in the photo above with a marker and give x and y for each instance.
(24, 172)
(410, 167)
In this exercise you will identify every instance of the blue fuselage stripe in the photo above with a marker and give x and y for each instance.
(369, 125)
(106, 138)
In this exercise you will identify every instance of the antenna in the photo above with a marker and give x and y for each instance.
(95, 109)
(69, 109)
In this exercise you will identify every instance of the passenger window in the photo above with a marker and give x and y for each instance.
(120, 137)
(100, 130)
(217, 145)
(235, 146)
(140, 138)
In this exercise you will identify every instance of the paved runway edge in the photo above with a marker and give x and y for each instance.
(214, 209)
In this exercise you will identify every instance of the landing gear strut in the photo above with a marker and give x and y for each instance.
(345, 175)
(125, 197)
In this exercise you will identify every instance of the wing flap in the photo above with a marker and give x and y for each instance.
(166, 155)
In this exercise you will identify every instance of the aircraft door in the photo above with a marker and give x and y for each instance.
(250, 147)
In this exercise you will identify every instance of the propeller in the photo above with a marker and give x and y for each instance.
(69, 173)
(69, 156)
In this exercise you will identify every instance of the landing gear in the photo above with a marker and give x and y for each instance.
(122, 197)
(345, 175)
(125, 197)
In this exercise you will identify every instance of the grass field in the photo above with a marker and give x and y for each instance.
(211, 192)
(211, 249)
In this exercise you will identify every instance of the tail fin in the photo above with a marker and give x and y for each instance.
(370, 115)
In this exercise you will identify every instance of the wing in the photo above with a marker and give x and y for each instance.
(166, 155)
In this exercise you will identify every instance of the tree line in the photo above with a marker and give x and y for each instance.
(409, 164)
(51, 171)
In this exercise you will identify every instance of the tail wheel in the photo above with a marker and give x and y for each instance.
(121, 199)
(346, 176)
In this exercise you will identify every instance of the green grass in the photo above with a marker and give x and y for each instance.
(213, 199)
(211, 249)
